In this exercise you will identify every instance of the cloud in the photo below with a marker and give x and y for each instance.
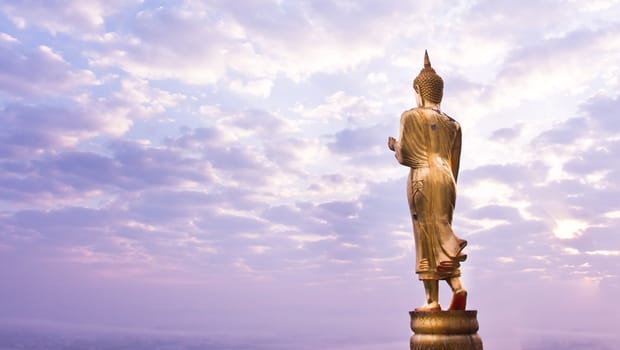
(40, 71)
(261, 87)
(148, 166)
(528, 206)
(497, 212)
(71, 17)
(61, 123)
(357, 141)
(506, 134)
(553, 67)
(256, 123)
(29, 130)
(341, 107)
(294, 40)
(73, 175)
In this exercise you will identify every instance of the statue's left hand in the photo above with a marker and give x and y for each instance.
(391, 142)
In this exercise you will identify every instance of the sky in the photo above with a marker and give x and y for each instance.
(220, 168)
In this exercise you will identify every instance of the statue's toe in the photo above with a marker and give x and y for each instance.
(429, 307)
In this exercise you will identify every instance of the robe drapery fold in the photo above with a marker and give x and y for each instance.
(430, 144)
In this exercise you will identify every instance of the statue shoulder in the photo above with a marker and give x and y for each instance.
(456, 123)
(411, 113)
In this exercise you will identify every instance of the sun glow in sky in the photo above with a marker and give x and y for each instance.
(217, 166)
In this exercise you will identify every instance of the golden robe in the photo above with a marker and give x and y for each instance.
(430, 144)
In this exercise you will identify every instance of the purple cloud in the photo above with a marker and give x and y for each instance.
(38, 71)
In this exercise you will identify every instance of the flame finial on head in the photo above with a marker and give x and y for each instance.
(430, 84)
(427, 61)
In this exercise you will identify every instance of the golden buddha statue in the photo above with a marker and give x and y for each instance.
(430, 144)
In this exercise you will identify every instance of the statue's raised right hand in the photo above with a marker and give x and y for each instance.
(391, 142)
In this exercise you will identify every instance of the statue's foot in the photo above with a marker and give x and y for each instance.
(434, 306)
(459, 300)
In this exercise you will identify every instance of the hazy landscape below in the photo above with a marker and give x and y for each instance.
(51, 337)
(46, 337)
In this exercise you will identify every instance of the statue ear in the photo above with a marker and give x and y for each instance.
(416, 87)
(418, 96)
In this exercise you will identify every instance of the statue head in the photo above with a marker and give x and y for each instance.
(428, 84)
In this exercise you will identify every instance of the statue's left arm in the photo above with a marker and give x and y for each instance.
(402, 150)
(392, 143)
(455, 159)
(396, 144)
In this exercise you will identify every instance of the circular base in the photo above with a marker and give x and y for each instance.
(445, 330)
(445, 342)
(444, 322)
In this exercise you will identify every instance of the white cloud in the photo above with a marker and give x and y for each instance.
(505, 259)
(340, 107)
(295, 40)
(261, 87)
(569, 228)
(572, 251)
(604, 252)
(377, 78)
(260, 249)
(613, 214)
(487, 192)
(144, 99)
(76, 17)
(6, 37)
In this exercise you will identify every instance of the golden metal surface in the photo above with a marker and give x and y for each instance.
(445, 330)
(428, 84)
(442, 342)
(429, 143)
(444, 322)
